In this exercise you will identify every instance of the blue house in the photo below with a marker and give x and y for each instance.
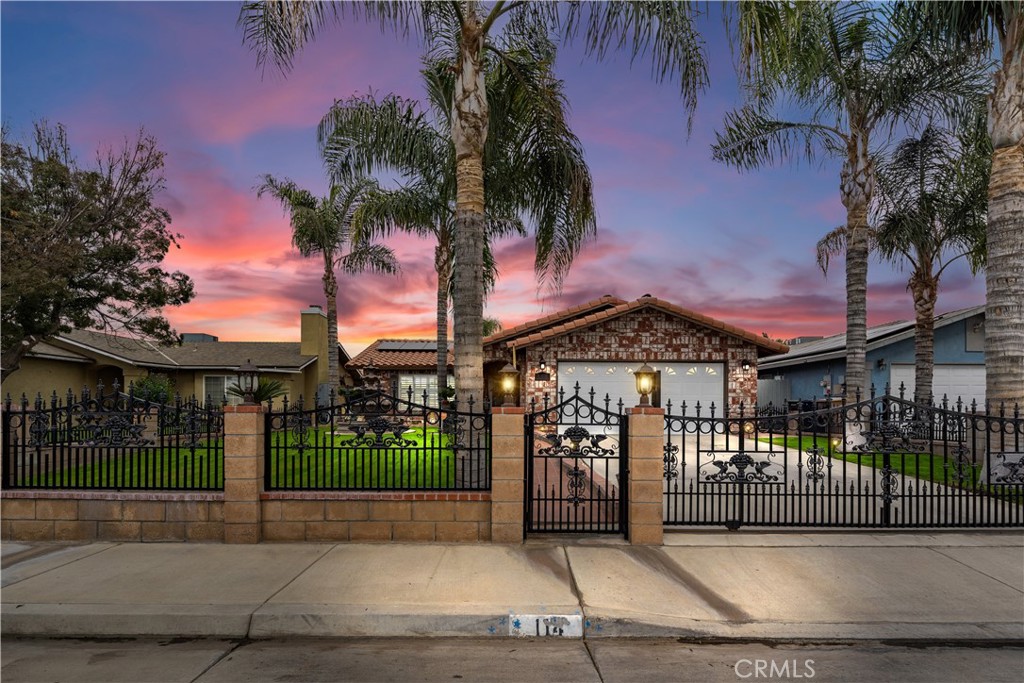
(817, 369)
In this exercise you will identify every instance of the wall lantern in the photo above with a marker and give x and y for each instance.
(508, 376)
(542, 375)
(745, 365)
(248, 380)
(645, 375)
(881, 364)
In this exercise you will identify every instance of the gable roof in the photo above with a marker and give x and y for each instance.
(834, 347)
(763, 343)
(601, 303)
(399, 358)
(196, 355)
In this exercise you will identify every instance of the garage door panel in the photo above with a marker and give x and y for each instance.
(963, 382)
(692, 383)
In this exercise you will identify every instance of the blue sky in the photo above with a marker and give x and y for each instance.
(672, 222)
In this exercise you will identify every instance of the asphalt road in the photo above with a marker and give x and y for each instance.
(610, 660)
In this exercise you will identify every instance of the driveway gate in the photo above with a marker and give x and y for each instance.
(883, 462)
(576, 453)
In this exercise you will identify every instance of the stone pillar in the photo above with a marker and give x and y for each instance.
(646, 471)
(243, 473)
(508, 473)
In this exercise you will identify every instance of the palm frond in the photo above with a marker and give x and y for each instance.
(376, 258)
(751, 140)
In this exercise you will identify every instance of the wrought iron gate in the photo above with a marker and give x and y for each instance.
(882, 462)
(576, 460)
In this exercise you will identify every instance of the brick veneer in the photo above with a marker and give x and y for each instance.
(646, 467)
(647, 334)
(372, 516)
(111, 516)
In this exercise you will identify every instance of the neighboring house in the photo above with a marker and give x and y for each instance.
(817, 369)
(598, 345)
(397, 365)
(201, 365)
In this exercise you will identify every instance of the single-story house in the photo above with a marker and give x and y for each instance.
(598, 345)
(397, 365)
(817, 369)
(200, 366)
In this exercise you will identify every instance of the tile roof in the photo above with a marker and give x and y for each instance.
(397, 360)
(763, 343)
(606, 301)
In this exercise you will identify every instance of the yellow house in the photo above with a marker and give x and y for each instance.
(200, 366)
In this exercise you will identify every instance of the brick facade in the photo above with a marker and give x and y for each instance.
(647, 334)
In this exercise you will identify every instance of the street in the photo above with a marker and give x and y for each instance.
(609, 660)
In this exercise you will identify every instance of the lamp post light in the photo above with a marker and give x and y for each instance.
(645, 383)
(508, 376)
(248, 380)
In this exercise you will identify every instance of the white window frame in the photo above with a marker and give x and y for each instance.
(419, 381)
(221, 393)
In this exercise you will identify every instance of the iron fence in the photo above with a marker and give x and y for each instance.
(112, 440)
(881, 462)
(576, 455)
(378, 442)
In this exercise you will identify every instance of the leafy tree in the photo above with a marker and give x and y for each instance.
(324, 226)
(979, 23)
(532, 161)
(855, 72)
(82, 247)
(663, 30)
(929, 213)
(156, 388)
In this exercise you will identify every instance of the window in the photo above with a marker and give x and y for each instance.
(215, 389)
(419, 382)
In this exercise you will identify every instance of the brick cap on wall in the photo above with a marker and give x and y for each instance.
(508, 410)
(645, 410)
(161, 496)
(377, 495)
(243, 409)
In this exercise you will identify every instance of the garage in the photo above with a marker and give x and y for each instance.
(693, 383)
(966, 382)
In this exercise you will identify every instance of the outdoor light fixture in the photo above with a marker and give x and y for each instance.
(542, 375)
(248, 381)
(745, 365)
(881, 364)
(508, 376)
(645, 383)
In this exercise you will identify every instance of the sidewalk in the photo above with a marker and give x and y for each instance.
(938, 587)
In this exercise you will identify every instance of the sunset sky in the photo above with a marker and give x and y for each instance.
(671, 222)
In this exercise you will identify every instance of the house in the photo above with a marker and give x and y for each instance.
(201, 365)
(397, 366)
(817, 369)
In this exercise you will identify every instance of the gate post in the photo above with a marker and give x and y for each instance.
(243, 473)
(646, 464)
(508, 487)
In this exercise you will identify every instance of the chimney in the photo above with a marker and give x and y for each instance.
(314, 331)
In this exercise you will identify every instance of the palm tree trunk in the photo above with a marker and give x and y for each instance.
(331, 291)
(469, 132)
(1004, 272)
(856, 189)
(442, 263)
(924, 288)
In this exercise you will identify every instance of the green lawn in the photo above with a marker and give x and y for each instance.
(139, 468)
(327, 462)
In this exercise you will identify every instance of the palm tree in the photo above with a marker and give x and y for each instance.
(324, 226)
(929, 213)
(664, 30)
(531, 160)
(980, 22)
(857, 73)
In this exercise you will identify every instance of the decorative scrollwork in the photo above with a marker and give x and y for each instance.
(581, 443)
(38, 428)
(888, 438)
(742, 468)
(1013, 463)
(114, 430)
(671, 460)
(815, 463)
(373, 434)
(576, 482)
(890, 484)
(961, 465)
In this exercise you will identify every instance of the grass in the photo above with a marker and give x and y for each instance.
(425, 460)
(139, 468)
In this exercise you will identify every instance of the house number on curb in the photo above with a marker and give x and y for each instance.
(545, 625)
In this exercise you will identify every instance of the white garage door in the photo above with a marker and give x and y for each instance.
(966, 382)
(689, 382)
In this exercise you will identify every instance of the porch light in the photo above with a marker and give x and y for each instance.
(542, 375)
(248, 380)
(645, 383)
(508, 376)
(745, 365)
